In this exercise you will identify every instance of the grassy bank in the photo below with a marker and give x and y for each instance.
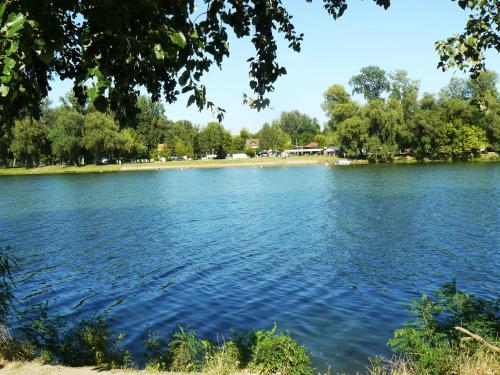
(184, 164)
(223, 163)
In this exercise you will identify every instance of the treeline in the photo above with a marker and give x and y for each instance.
(460, 122)
(74, 134)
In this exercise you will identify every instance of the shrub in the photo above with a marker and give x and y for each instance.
(90, 343)
(274, 353)
(432, 343)
(250, 152)
(155, 354)
(185, 352)
(223, 359)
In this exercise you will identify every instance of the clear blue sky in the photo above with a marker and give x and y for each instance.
(401, 37)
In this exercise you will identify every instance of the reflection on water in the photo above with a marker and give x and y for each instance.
(325, 252)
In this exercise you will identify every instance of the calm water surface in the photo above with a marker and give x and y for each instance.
(326, 252)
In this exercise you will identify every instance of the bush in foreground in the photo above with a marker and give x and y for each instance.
(432, 345)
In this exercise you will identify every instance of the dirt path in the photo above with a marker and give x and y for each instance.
(33, 368)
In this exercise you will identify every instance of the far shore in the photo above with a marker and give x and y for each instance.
(207, 164)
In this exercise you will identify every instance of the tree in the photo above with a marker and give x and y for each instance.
(338, 105)
(485, 82)
(371, 82)
(321, 140)
(401, 85)
(213, 139)
(352, 136)
(131, 145)
(272, 137)
(245, 134)
(466, 50)
(333, 96)
(182, 149)
(455, 89)
(111, 48)
(459, 140)
(183, 130)
(101, 135)
(237, 144)
(151, 122)
(299, 126)
(29, 138)
(66, 135)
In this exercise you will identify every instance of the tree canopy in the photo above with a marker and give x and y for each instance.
(111, 48)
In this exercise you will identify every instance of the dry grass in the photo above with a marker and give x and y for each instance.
(480, 362)
(483, 362)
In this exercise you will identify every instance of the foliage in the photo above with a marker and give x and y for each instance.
(183, 149)
(52, 340)
(352, 135)
(321, 140)
(272, 137)
(66, 135)
(461, 141)
(155, 354)
(29, 138)
(214, 139)
(431, 342)
(91, 342)
(466, 50)
(110, 49)
(300, 127)
(371, 82)
(237, 144)
(184, 131)
(184, 351)
(151, 122)
(250, 152)
(274, 353)
(100, 134)
(380, 130)
(223, 359)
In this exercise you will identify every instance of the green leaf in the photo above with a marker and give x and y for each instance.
(14, 45)
(39, 42)
(2, 10)
(4, 90)
(14, 23)
(159, 53)
(92, 92)
(178, 38)
(10, 62)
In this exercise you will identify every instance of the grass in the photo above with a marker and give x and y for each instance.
(222, 163)
(218, 163)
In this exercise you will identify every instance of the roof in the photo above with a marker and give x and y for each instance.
(252, 141)
(312, 145)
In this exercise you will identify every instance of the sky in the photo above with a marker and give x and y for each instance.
(401, 37)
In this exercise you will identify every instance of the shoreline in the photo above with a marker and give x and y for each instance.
(37, 368)
(294, 161)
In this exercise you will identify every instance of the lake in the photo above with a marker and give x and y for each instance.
(326, 252)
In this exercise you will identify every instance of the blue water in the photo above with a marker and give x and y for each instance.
(327, 253)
